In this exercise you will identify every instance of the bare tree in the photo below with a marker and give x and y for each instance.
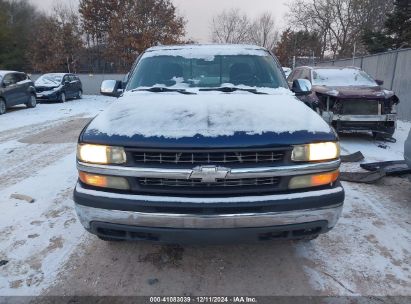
(231, 27)
(341, 23)
(263, 31)
(57, 42)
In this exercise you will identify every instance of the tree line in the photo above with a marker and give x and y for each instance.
(322, 29)
(107, 35)
(99, 36)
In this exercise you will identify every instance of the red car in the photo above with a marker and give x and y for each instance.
(349, 99)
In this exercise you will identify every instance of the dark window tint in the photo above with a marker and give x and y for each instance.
(9, 79)
(21, 77)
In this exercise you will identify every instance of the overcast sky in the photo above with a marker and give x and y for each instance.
(199, 13)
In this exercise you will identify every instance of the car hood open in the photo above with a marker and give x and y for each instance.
(208, 119)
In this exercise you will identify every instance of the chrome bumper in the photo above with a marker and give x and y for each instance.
(87, 215)
(365, 118)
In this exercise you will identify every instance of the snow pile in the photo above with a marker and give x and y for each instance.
(211, 114)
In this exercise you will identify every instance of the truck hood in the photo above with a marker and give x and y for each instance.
(354, 92)
(208, 119)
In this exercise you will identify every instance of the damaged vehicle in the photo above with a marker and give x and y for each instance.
(58, 87)
(199, 149)
(349, 99)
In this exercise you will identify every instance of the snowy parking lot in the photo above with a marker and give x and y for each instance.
(45, 250)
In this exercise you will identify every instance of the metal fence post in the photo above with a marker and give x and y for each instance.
(395, 70)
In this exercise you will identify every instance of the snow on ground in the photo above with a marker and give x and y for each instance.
(369, 252)
(377, 150)
(36, 238)
(47, 113)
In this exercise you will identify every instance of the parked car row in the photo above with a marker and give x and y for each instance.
(16, 88)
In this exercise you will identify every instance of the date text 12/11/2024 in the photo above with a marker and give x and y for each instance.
(239, 299)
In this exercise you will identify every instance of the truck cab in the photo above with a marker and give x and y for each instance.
(207, 144)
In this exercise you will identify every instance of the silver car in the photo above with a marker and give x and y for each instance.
(407, 150)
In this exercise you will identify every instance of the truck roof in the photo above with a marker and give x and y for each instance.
(205, 51)
(206, 46)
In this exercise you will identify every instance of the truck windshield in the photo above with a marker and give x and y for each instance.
(214, 72)
(342, 78)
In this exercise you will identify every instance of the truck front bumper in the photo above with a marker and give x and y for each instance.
(384, 124)
(366, 118)
(286, 216)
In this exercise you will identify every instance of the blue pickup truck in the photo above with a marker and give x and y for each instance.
(208, 144)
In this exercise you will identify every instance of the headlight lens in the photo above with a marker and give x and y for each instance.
(316, 152)
(97, 154)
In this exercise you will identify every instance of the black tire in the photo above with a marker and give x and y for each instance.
(63, 97)
(108, 239)
(32, 103)
(3, 107)
(79, 94)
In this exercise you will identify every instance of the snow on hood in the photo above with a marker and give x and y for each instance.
(211, 114)
(49, 80)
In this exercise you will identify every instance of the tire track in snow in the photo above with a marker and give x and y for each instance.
(17, 133)
(29, 160)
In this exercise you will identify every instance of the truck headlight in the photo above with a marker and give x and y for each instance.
(98, 154)
(316, 152)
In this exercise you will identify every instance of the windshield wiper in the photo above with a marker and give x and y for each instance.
(164, 90)
(233, 89)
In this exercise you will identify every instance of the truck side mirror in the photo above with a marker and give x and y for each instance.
(301, 87)
(111, 88)
(379, 82)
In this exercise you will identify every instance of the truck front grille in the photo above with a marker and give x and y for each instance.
(197, 183)
(204, 158)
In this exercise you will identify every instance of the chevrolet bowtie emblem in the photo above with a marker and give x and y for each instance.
(209, 174)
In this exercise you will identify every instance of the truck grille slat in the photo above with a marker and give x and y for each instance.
(209, 157)
(245, 182)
